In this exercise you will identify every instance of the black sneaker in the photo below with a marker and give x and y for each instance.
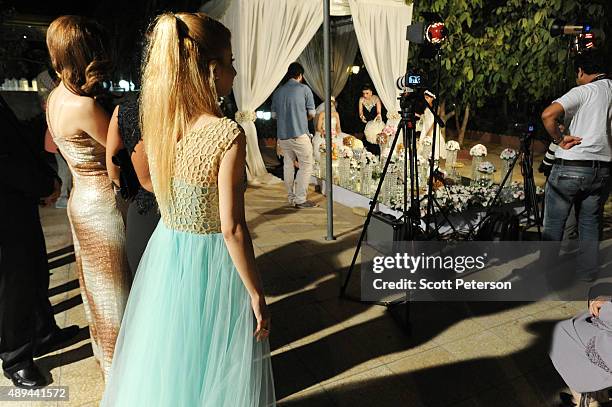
(306, 204)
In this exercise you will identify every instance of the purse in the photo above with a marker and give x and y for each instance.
(129, 184)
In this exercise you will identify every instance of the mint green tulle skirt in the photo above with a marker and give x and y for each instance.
(186, 338)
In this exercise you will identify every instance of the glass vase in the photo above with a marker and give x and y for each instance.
(423, 174)
(484, 179)
(506, 194)
(344, 172)
(322, 163)
(426, 151)
(389, 189)
(365, 178)
(476, 175)
(450, 165)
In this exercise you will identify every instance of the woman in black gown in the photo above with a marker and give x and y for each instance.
(143, 214)
(370, 109)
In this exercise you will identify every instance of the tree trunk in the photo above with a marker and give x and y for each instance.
(457, 124)
(461, 130)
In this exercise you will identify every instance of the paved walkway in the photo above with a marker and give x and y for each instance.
(329, 352)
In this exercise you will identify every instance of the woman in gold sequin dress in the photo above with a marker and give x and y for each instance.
(196, 325)
(78, 124)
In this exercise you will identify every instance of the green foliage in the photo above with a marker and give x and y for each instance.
(503, 49)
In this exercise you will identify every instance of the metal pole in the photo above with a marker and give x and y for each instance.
(328, 132)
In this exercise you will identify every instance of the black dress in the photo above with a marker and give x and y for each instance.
(369, 115)
(143, 214)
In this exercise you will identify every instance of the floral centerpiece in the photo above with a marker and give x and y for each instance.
(452, 145)
(344, 166)
(382, 139)
(508, 154)
(452, 149)
(345, 152)
(372, 129)
(390, 130)
(486, 167)
(478, 151)
(427, 141)
(483, 177)
(368, 162)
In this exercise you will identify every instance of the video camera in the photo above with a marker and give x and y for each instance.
(412, 85)
(585, 36)
(526, 129)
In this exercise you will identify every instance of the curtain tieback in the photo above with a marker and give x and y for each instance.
(393, 116)
(246, 115)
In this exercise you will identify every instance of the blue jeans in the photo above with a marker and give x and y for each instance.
(587, 188)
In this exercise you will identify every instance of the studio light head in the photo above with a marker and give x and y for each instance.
(431, 31)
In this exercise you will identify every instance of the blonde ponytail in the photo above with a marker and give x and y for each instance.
(178, 86)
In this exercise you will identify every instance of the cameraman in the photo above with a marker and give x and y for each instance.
(581, 172)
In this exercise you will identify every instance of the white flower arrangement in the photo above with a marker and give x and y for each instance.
(370, 158)
(390, 130)
(458, 198)
(478, 151)
(357, 144)
(346, 152)
(373, 129)
(486, 167)
(244, 116)
(508, 154)
(426, 141)
(452, 145)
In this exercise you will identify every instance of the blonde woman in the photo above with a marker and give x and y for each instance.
(196, 325)
(78, 123)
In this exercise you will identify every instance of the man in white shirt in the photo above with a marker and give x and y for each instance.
(581, 173)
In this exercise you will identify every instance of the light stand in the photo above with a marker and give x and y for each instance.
(531, 211)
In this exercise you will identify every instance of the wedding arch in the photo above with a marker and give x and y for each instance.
(268, 35)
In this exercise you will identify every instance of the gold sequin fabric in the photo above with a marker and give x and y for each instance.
(195, 195)
(98, 229)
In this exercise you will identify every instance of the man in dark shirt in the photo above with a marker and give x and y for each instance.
(27, 324)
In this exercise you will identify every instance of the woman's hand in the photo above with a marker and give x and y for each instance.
(362, 117)
(596, 305)
(262, 315)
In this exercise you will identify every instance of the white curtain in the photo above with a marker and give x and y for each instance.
(380, 26)
(339, 8)
(344, 47)
(216, 8)
(267, 35)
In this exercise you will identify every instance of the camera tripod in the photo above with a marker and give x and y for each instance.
(410, 227)
(531, 212)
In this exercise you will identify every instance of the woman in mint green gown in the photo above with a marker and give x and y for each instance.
(195, 330)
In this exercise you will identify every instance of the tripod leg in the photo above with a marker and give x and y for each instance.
(373, 204)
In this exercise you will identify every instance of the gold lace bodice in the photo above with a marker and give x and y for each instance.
(195, 195)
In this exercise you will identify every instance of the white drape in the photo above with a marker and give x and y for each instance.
(267, 35)
(344, 47)
(216, 8)
(380, 26)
